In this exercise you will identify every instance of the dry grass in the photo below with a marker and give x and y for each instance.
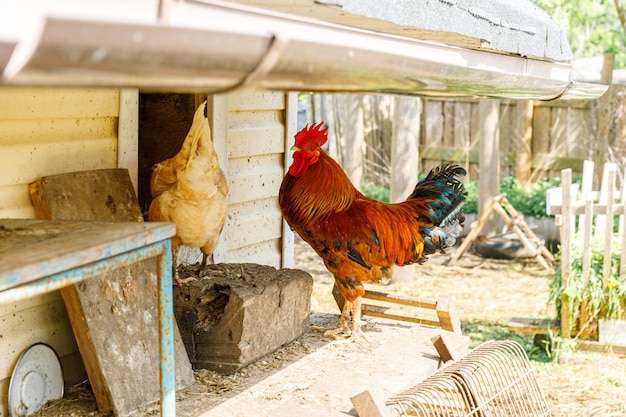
(488, 293)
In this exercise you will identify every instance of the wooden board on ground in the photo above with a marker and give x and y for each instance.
(115, 315)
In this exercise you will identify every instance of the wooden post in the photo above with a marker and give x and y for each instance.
(405, 160)
(489, 164)
(587, 232)
(604, 117)
(566, 241)
(609, 185)
(354, 139)
(523, 141)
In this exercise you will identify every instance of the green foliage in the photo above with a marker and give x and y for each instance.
(378, 192)
(592, 27)
(471, 202)
(480, 332)
(530, 202)
(602, 303)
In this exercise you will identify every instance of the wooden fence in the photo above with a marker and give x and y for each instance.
(593, 250)
(536, 139)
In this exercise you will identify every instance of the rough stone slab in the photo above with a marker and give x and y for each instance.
(230, 315)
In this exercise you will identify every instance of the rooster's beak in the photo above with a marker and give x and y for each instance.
(295, 148)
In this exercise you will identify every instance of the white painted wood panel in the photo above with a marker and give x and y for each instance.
(248, 100)
(47, 323)
(261, 216)
(46, 132)
(265, 253)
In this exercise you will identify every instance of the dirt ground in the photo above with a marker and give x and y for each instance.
(487, 293)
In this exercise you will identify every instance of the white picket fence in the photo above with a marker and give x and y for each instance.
(588, 215)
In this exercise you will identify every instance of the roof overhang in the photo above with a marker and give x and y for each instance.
(215, 46)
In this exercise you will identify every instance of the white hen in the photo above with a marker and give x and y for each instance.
(190, 190)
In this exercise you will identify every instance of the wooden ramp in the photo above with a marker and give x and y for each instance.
(115, 315)
(440, 313)
(515, 221)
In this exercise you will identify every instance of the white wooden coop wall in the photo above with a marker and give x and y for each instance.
(257, 126)
(45, 132)
(52, 131)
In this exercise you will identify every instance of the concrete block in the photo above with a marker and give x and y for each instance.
(230, 315)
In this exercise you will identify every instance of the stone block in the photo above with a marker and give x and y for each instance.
(230, 315)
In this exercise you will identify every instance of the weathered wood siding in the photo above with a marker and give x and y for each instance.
(256, 129)
(44, 132)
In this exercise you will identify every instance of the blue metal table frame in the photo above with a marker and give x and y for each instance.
(139, 243)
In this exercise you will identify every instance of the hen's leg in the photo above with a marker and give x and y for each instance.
(176, 242)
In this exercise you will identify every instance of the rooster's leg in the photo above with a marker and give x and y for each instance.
(356, 319)
(342, 324)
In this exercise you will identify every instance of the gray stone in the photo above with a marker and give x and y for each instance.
(230, 315)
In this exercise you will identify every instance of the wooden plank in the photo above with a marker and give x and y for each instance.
(58, 103)
(446, 312)
(250, 186)
(440, 153)
(523, 142)
(15, 203)
(34, 323)
(433, 134)
(580, 210)
(266, 251)
(547, 162)
(291, 128)
(448, 123)
(419, 317)
(587, 232)
(612, 332)
(46, 132)
(475, 230)
(594, 346)
(566, 242)
(532, 325)
(262, 217)
(489, 152)
(54, 246)
(114, 315)
(246, 100)
(368, 404)
(217, 115)
(24, 163)
(128, 134)
(622, 229)
(604, 223)
(462, 113)
(244, 142)
(451, 346)
(400, 299)
(541, 130)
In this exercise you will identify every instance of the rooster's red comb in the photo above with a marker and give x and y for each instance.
(312, 132)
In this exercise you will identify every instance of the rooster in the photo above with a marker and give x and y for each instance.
(359, 238)
(190, 190)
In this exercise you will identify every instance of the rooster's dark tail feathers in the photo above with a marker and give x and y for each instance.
(447, 193)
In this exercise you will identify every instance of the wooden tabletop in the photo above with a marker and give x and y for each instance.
(33, 249)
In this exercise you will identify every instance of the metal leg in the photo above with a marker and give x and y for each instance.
(166, 331)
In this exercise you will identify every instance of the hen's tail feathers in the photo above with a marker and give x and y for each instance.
(447, 195)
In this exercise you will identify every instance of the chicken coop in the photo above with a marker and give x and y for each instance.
(86, 86)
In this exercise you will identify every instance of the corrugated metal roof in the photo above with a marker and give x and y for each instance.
(214, 46)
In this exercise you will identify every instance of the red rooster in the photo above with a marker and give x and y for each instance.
(360, 238)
